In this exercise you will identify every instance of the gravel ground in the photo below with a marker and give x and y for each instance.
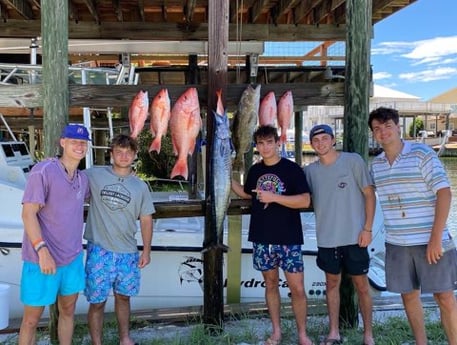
(258, 326)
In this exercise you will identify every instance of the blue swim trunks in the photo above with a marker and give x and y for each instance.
(38, 289)
(288, 257)
(107, 270)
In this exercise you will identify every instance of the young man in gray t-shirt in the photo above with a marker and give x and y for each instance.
(118, 200)
(344, 205)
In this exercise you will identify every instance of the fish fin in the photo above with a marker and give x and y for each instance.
(238, 163)
(232, 145)
(134, 134)
(193, 143)
(180, 169)
(223, 247)
(174, 146)
(155, 145)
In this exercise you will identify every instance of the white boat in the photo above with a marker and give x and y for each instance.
(174, 277)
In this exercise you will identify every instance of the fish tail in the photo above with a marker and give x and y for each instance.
(180, 169)
(238, 163)
(215, 246)
(134, 134)
(155, 145)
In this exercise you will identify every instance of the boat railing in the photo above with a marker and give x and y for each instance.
(8, 128)
(79, 74)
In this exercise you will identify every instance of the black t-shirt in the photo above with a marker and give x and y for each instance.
(275, 224)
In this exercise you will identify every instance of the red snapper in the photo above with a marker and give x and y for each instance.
(160, 115)
(268, 110)
(185, 124)
(285, 111)
(138, 112)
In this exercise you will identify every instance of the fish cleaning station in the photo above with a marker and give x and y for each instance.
(95, 62)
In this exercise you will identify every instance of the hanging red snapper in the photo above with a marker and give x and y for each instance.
(160, 115)
(138, 112)
(285, 111)
(185, 124)
(268, 110)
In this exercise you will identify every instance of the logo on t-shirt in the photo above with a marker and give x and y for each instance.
(271, 183)
(115, 196)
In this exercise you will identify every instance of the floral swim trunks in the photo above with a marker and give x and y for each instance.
(288, 257)
(107, 270)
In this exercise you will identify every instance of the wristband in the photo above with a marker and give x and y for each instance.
(367, 230)
(36, 242)
(40, 246)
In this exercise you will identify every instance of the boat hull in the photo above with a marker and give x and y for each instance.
(174, 278)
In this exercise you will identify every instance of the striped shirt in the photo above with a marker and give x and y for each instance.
(407, 193)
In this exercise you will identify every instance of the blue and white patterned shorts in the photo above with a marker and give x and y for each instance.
(288, 257)
(107, 270)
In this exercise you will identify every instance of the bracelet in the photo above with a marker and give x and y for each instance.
(367, 230)
(36, 242)
(40, 246)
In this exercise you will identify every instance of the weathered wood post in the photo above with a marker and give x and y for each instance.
(213, 302)
(298, 120)
(356, 108)
(54, 32)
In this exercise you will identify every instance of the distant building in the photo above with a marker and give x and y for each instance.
(438, 114)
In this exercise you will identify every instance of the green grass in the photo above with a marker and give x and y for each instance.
(245, 329)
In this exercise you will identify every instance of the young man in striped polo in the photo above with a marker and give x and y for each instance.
(415, 196)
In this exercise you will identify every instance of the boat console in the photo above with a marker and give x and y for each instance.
(15, 161)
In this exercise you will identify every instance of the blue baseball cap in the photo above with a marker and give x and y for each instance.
(320, 129)
(75, 131)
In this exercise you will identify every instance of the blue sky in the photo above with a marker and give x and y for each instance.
(415, 49)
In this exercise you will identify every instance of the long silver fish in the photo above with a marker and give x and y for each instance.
(221, 170)
(244, 124)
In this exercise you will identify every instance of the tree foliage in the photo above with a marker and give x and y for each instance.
(153, 164)
(419, 127)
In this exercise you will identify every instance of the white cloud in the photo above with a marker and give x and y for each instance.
(431, 51)
(427, 61)
(381, 75)
(436, 56)
(388, 48)
(432, 48)
(429, 75)
(444, 62)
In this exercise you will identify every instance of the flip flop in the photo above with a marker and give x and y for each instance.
(331, 341)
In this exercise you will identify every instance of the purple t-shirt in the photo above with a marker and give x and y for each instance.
(62, 214)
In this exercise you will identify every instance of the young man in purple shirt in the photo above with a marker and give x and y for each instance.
(52, 213)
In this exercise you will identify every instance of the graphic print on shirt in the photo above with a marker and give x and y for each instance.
(115, 196)
(271, 183)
